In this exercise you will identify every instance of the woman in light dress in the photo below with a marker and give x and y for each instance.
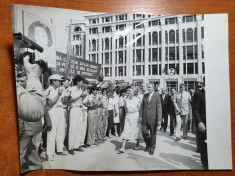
(131, 128)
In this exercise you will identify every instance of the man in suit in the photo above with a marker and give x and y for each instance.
(182, 101)
(151, 113)
(172, 111)
(199, 113)
(165, 109)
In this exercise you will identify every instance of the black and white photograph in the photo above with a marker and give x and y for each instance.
(120, 92)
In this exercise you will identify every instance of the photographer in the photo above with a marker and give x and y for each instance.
(30, 109)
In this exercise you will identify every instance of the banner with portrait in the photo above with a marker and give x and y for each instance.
(43, 33)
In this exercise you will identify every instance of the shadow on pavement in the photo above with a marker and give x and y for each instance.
(189, 162)
(129, 145)
(148, 163)
(182, 145)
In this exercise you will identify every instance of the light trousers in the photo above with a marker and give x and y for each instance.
(55, 137)
(179, 120)
(77, 127)
(91, 126)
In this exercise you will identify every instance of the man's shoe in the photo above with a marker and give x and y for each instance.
(151, 151)
(161, 128)
(171, 134)
(185, 138)
(71, 152)
(177, 139)
(80, 149)
(146, 149)
(61, 153)
(164, 131)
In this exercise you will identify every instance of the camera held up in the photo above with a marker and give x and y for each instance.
(22, 42)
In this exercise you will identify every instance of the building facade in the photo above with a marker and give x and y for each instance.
(165, 50)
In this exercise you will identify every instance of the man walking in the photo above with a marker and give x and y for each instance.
(151, 113)
(199, 112)
(165, 109)
(172, 112)
(182, 107)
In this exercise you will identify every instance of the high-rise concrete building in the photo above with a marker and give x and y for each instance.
(166, 50)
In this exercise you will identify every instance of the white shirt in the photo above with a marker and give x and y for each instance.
(51, 93)
(75, 92)
(150, 95)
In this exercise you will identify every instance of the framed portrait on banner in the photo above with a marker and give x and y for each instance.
(43, 33)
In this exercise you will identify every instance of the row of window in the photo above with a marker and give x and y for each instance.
(155, 54)
(154, 39)
(155, 69)
(122, 17)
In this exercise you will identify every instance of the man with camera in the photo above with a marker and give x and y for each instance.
(31, 103)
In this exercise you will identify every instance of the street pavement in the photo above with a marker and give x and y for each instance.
(169, 155)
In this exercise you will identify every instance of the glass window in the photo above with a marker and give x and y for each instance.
(124, 70)
(106, 43)
(120, 60)
(160, 37)
(121, 17)
(154, 54)
(189, 18)
(184, 68)
(189, 35)
(106, 72)
(155, 22)
(195, 34)
(154, 69)
(93, 45)
(155, 38)
(172, 85)
(160, 54)
(120, 71)
(190, 68)
(183, 35)
(171, 53)
(166, 37)
(190, 85)
(203, 68)
(107, 19)
(195, 52)
(184, 53)
(93, 58)
(138, 55)
(172, 36)
(139, 40)
(196, 68)
(160, 69)
(120, 42)
(202, 32)
(149, 70)
(106, 58)
(166, 53)
(202, 51)
(138, 70)
(120, 27)
(177, 36)
(189, 52)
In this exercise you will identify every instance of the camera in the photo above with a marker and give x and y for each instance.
(21, 41)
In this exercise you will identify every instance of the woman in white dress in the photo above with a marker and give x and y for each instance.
(131, 128)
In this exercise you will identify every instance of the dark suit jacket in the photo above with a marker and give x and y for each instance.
(171, 105)
(165, 105)
(151, 111)
(199, 106)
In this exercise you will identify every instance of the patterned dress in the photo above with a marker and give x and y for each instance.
(131, 128)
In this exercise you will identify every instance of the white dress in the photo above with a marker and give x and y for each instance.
(131, 127)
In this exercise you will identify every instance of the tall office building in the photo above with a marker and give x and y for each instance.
(166, 50)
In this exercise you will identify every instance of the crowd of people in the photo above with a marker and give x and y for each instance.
(78, 116)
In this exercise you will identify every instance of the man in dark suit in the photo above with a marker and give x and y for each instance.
(199, 112)
(151, 113)
(165, 109)
(172, 112)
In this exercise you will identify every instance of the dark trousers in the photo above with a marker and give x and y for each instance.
(164, 121)
(110, 122)
(203, 147)
(149, 134)
(122, 118)
(172, 123)
(29, 158)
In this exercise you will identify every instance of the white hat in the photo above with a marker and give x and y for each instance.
(55, 77)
